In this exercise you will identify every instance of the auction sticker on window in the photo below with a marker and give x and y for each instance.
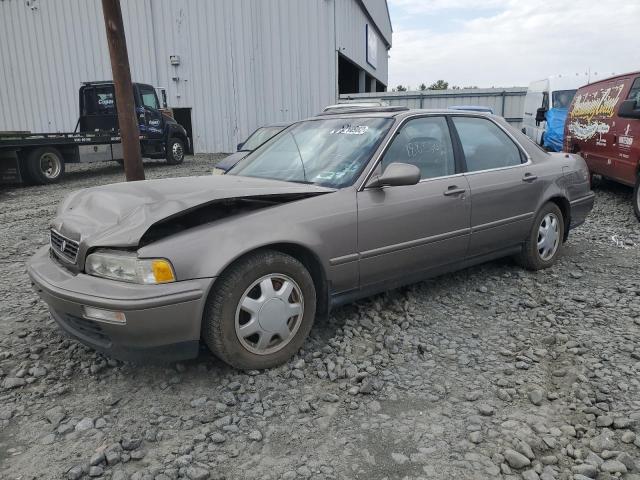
(350, 130)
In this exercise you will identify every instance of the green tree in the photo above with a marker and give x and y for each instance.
(422, 87)
(401, 88)
(439, 85)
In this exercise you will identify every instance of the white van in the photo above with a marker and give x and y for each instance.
(542, 95)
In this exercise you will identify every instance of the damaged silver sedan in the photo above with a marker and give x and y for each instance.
(335, 208)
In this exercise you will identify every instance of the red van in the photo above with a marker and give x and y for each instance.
(603, 125)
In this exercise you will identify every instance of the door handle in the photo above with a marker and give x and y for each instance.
(529, 177)
(453, 190)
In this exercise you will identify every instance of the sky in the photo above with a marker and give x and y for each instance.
(504, 43)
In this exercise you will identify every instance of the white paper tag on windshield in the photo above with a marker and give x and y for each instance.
(350, 130)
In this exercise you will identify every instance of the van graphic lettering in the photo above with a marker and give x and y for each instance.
(585, 131)
(600, 103)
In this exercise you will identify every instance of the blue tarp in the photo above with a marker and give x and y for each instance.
(554, 134)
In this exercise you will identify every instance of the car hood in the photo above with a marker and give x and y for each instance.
(229, 161)
(118, 215)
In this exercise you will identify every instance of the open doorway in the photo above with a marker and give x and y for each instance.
(348, 76)
(183, 117)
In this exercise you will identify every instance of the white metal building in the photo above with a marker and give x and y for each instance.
(228, 66)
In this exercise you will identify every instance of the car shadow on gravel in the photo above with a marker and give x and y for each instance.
(605, 185)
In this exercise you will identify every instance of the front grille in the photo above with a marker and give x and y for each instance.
(64, 247)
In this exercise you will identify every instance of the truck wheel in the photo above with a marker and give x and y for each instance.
(45, 165)
(543, 245)
(260, 311)
(175, 151)
(636, 198)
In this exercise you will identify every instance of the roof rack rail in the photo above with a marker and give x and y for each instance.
(351, 108)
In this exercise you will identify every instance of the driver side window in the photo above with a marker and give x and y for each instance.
(424, 142)
(634, 93)
(149, 98)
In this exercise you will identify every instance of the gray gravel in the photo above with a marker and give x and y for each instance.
(492, 372)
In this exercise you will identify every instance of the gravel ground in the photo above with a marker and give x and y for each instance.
(492, 372)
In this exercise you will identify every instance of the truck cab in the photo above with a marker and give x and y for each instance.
(40, 158)
(545, 109)
(161, 135)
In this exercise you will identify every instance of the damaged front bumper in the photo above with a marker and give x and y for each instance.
(162, 321)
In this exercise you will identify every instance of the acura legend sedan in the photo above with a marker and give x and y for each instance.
(335, 208)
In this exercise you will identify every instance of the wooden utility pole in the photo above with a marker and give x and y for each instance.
(127, 115)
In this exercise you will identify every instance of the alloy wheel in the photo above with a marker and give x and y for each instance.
(177, 151)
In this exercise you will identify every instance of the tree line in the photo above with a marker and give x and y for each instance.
(439, 85)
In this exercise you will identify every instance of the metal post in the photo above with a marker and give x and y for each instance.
(127, 118)
(504, 98)
(362, 81)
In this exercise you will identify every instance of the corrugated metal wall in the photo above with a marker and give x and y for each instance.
(244, 63)
(379, 11)
(506, 102)
(350, 22)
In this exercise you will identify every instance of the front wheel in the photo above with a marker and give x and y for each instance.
(543, 245)
(636, 198)
(175, 151)
(45, 165)
(260, 311)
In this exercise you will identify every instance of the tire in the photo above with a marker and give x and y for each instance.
(636, 198)
(534, 258)
(45, 165)
(224, 315)
(175, 151)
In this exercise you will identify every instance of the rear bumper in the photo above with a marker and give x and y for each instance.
(580, 208)
(162, 321)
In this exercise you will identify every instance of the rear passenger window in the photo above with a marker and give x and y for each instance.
(485, 145)
(426, 143)
(634, 93)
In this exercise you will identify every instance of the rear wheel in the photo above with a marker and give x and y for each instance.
(45, 165)
(542, 247)
(636, 198)
(175, 151)
(260, 311)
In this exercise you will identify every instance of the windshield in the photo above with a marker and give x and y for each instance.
(328, 152)
(562, 98)
(260, 136)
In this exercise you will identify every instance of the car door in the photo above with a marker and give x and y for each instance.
(409, 230)
(625, 164)
(504, 185)
(149, 116)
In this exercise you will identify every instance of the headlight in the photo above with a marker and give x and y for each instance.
(127, 267)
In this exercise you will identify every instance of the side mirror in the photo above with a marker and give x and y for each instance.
(540, 115)
(629, 109)
(240, 145)
(396, 175)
